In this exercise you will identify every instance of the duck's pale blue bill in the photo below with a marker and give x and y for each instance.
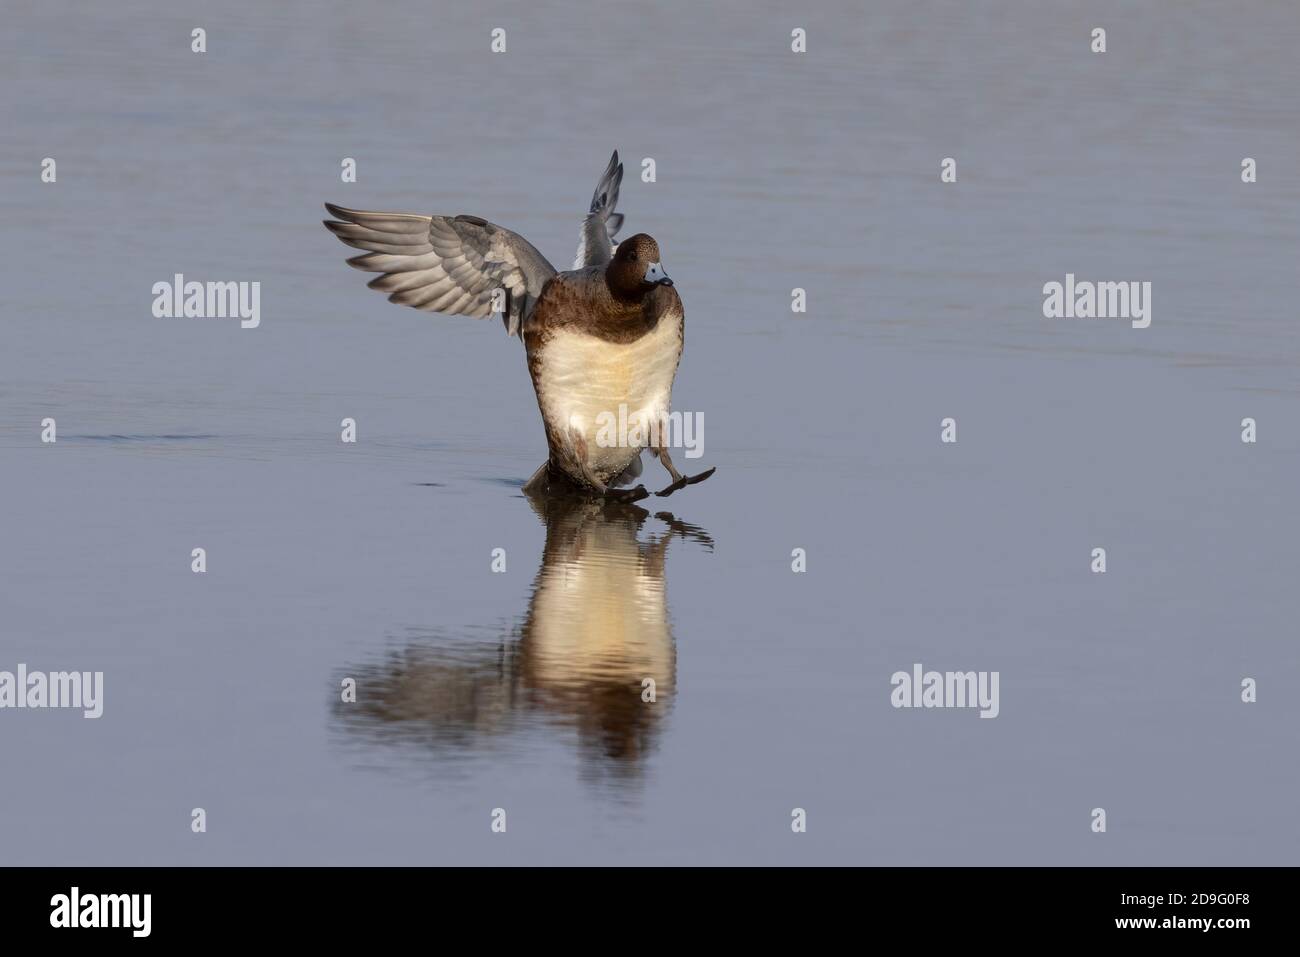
(655, 274)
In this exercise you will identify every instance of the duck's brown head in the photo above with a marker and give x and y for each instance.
(635, 268)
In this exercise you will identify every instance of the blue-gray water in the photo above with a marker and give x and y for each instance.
(775, 170)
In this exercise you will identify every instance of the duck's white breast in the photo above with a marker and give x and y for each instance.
(582, 380)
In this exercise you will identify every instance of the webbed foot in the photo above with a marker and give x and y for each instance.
(626, 494)
(684, 481)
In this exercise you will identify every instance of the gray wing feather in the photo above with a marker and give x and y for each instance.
(447, 264)
(596, 239)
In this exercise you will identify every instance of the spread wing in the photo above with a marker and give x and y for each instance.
(596, 240)
(447, 264)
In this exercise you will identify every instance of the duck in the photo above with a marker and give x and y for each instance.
(602, 340)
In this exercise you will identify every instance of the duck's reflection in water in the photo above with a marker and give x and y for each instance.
(595, 634)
